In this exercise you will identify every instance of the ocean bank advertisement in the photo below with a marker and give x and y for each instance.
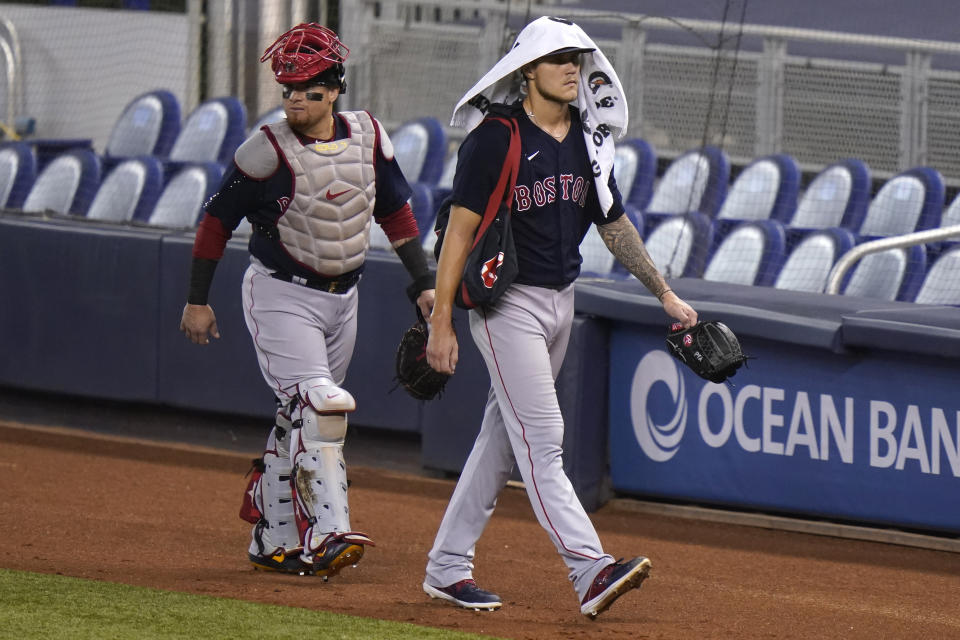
(871, 438)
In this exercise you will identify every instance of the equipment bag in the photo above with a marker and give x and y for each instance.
(491, 265)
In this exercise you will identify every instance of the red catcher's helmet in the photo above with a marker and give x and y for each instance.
(304, 52)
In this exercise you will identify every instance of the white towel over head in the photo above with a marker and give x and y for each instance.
(601, 101)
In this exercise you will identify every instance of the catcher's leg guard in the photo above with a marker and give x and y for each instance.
(320, 478)
(268, 504)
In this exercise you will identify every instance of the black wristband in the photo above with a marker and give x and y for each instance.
(419, 285)
(414, 259)
(201, 276)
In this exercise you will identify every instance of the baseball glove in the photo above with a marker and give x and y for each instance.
(710, 349)
(414, 373)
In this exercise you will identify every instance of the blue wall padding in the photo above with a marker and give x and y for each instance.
(385, 313)
(80, 309)
(222, 376)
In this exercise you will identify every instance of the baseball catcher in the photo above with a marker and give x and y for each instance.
(414, 374)
(310, 185)
(710, 349)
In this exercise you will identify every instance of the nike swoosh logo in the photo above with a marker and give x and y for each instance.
(334, 196)
(332, 395)
(533, 155)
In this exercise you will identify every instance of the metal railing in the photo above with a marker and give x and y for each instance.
(850, 258)
(13, 65)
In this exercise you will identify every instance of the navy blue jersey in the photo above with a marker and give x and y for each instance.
(554, 201)
(263, 201)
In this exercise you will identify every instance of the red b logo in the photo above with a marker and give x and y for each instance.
(488, 273)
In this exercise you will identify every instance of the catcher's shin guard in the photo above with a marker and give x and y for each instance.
(268, 502)
(320, 478)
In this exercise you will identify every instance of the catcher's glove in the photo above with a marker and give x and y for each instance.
(710, 349)
(414, 373)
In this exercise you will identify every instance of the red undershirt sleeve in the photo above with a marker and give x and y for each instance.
(400, 224)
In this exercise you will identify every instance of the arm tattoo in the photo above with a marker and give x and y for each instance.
(623, 241)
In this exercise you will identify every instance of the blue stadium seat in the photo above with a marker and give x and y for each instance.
(809, 263)
(273, 115)
(894, 274)
(837, 197)
(597, 259)
(751, 254)
(67, 184)
(941, 285)
(129, 191)
(679, 244)
(910, 201)
(180, 204)
(635, 169)
(766, 189)
(18, 170)
(695, 181)
(211, 133)
(445, 183)
(420, 147)
(951, 216)
(424, 210)
(148, 126)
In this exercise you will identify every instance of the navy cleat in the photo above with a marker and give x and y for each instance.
(612, 582)
(466, 594)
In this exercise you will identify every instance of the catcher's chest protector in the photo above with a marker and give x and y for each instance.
(327, 223)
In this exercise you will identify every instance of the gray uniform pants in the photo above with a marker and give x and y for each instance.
(523, 341)
(299, 333)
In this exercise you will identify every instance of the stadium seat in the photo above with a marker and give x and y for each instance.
(766, 189)
(597, 259)
(679, 244)
(941, 285)
(951, 217)
(809, 263)
(67, 184)
(894, 274)
(635, 169)
(751, 254)
(129, 191)
(18, 170)
(148, 126)
(837, 197)
(420, 147)
(910, 201)
(695, 181)
(211, 133)
(445, 183)
(180, 205)
(423, 207)
(274, 115)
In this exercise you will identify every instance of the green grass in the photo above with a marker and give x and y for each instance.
(35, 605)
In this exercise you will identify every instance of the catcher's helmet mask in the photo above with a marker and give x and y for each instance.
(308, 52)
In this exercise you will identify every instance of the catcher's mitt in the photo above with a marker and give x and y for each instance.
(710, 349)
(414, 373)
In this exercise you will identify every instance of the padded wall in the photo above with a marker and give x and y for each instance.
(222, 376)
(80, 308)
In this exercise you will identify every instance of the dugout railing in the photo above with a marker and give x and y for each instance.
(848, 260)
